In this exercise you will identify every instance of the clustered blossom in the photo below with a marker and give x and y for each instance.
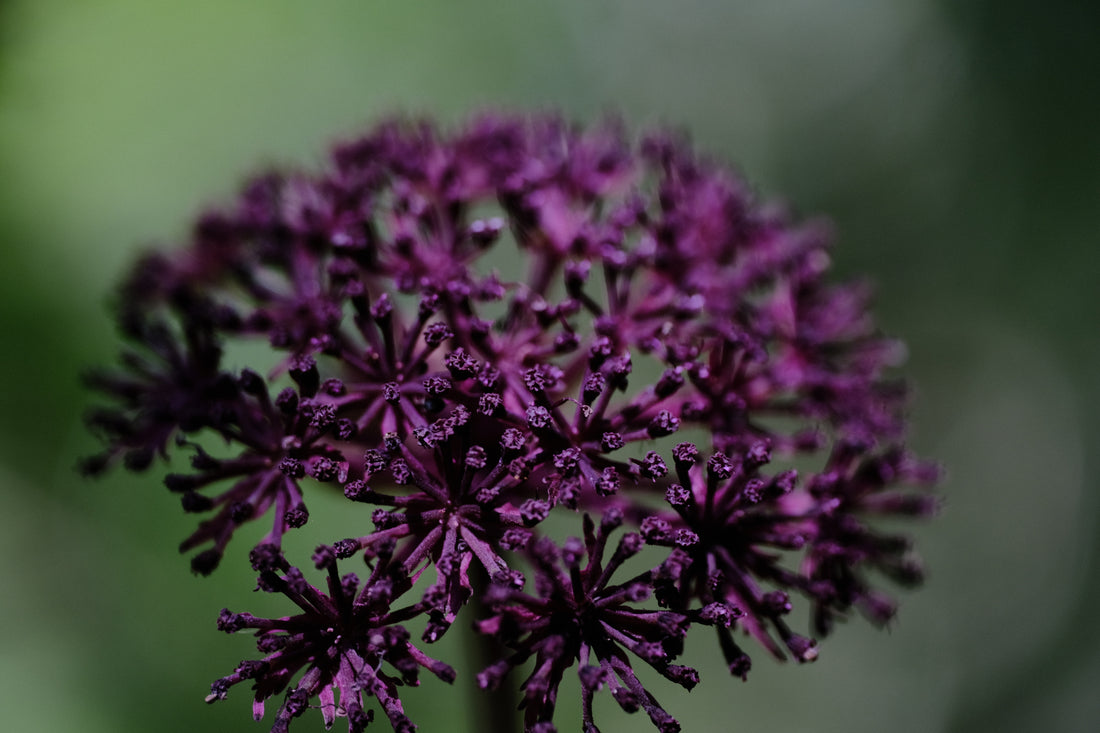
(342, 639)
(669, 350)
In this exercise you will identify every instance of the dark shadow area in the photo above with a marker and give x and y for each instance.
(1034, 159)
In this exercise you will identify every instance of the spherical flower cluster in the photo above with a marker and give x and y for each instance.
(482, 339)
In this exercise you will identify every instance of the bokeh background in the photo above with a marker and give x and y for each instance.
(954, 145)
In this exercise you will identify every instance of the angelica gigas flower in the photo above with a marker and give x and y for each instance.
(459, 403)
(340, 639)
(580, 617)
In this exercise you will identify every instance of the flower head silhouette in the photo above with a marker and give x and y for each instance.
(482, 339)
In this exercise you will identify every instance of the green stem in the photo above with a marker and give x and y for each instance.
(494, 711)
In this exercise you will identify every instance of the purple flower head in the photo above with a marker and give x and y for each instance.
(578, 616)
(335, 648)
(668, 349)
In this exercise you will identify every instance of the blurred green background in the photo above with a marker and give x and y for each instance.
(954, 145)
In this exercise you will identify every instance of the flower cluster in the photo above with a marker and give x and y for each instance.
(481, 339)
